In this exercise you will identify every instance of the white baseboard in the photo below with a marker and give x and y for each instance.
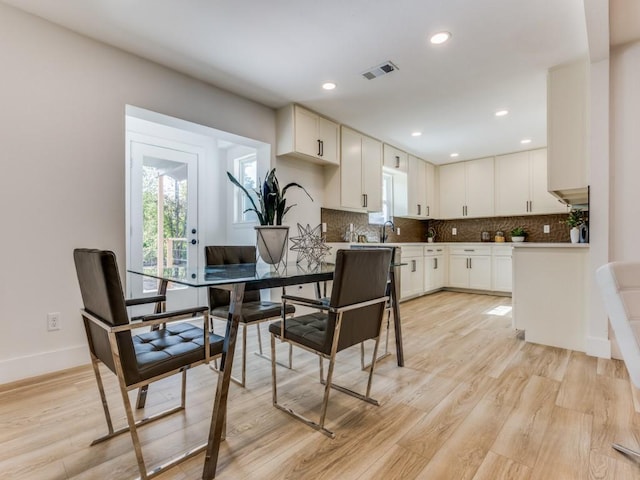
(14, 369)
(598, 347)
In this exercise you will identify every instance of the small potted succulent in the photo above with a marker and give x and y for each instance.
(271, 234)
(518, 234)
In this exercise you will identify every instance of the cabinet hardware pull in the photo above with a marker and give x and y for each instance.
(397, 161)
(531, 206)
(364, 200)
(413, 266)
(470, 265)
(427, 210)
(435, 263)
(419, 209)
(469, 249)
(319, 147)
(322, 148)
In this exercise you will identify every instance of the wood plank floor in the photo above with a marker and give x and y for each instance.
(473, 402)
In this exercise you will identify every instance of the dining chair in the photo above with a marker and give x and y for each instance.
(619, 284)
(254, 310)
(162, 349)
(354, 314)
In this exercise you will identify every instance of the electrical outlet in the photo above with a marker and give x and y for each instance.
(546, 229)
(398, 232)
(454, 231)
(53, 321)
(324, 227)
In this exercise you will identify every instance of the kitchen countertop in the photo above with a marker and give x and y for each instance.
(550, 245)
(434, 244)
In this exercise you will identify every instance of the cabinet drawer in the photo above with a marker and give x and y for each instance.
(433, 251)
(502, 251)
(411, 251)
(470, 250)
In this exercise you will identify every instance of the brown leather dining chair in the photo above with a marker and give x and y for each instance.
(354, 314)
(254, 310)
(161, 349)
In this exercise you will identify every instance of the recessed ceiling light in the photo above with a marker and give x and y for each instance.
(502, 113)
(416, 134)
(329, 86)
(454, 155)
(524, 141)
(440, 38)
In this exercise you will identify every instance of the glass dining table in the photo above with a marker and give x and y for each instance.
(238, 279)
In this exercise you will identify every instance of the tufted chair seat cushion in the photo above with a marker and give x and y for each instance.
(309, 330)
(160, 351)
(254, 311)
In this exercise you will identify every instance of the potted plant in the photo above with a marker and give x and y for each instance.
(518, 234)
(271, 234)
(431, 235)
(574, 221)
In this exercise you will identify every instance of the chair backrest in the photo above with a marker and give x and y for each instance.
(229, 255)
(360, 275)
(103, 297)
(619, 284)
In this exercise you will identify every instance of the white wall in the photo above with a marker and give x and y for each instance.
(62, 131)
(625, 150)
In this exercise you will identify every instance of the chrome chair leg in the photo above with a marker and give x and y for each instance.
(626, 451)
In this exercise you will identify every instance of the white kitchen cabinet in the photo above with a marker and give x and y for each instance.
(394, 159)
(502, 270)
(357, 183)
(470, 267)
(467, 189)
(411, 274)
(431, 185)
(567, 130)
(416, 188)
(307, 135)
(520, 185)
(434, 268)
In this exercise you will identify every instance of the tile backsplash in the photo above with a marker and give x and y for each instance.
(468, 230)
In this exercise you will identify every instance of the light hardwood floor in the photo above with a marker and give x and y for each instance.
(473, 402)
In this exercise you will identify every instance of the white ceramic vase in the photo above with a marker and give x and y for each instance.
(271, 241)
(575, 235)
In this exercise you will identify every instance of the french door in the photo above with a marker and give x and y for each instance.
(163, 217)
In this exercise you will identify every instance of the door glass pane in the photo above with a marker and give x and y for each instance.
(164, 216)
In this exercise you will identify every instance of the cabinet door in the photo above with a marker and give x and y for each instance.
(480, 272)
(452, 190)
(394, 159)
(416, 188)
(512, 184)
(541, 200)
(502, 273)
(480, 192)
(412, 277)
(350, 169)
(372, 173)
(431, 191)
(433, 272)
(329, 134)
(459, 271)
(306, 132)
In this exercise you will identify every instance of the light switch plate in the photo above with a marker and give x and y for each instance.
(324, 227)
(454, 231)
(546, 229)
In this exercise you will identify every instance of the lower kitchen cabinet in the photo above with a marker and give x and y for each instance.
(411, 274)
(434, 268)
(502, 269)
(470, 267)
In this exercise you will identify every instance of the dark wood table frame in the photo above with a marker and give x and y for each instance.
(237, 286)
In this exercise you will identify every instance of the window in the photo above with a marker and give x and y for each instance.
(387, 202)
(247, 175)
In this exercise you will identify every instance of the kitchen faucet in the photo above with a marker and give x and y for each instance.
(383, 234)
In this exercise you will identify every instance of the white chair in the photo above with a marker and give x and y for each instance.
(619, 284)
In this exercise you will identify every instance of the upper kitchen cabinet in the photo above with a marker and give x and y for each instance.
(521, 185)
(307, 135)
(567, 124)
(421, 189)
(394, 159)
(357, 184)
(466, 189)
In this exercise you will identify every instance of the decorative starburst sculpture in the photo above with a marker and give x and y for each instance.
(310, 245)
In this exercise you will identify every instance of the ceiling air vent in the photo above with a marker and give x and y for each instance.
(377, 71)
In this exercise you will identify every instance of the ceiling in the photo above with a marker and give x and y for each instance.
(281, 51)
